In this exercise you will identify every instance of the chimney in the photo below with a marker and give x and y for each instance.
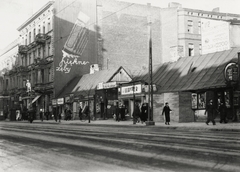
(174, 5)
(216, 10)
(93, 68)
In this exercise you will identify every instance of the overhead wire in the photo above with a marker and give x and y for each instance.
(95, 22)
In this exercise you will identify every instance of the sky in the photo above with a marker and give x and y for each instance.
(13, 13)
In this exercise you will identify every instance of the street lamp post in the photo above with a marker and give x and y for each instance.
(150, 84)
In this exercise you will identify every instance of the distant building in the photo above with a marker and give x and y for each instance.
(181, 30)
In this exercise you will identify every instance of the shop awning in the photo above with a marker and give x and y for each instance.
(35, 99)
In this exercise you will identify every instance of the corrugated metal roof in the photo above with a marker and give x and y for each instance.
(192, 73)
(88, 83)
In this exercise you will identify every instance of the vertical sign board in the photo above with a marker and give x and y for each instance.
(215, 36)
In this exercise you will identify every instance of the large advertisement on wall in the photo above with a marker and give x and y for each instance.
(215, 36)
(74, 39)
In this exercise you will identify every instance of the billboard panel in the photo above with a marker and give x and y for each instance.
(215, 36)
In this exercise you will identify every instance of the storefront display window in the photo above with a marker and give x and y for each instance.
(201, 100)
(194, 101)
(227, 99)
(198, 100)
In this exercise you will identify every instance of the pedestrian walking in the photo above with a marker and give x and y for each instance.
(122, 112)
(210, 112)
(117, 112)
(41, 115)
(166, 111)
(136, 113)
(222, 111)
(144, 112)
(80, 113)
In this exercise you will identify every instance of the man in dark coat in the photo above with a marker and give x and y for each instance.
(166, 110)
(210, 112)
(222, 111)
(80, 113)
(144, 112)
(136, 113)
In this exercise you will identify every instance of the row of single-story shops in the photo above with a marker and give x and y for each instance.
(187, 85)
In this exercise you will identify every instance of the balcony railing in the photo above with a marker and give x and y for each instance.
(22, 49)
(41, 38)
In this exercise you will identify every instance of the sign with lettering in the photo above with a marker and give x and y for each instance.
(133, 89)
(215, 36)
(54, 102)
(106, 85)
(60, 101)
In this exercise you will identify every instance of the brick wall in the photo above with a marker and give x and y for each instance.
(125, 35)
(185, 110)
(158, 104)
(169, 26)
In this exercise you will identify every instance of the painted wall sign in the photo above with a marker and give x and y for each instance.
(215, 36)
(131, 89)
(75, 44)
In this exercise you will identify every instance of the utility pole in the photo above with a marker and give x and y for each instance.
(150, 84)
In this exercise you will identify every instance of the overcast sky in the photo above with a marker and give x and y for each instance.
(13, 13)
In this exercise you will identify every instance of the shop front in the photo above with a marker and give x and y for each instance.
(106, 96)
(132, 93)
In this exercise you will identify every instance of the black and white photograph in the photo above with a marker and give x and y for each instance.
(119, 86)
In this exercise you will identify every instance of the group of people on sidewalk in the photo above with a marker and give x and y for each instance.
(210, 111)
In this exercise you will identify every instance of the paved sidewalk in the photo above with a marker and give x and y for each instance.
(231, 126)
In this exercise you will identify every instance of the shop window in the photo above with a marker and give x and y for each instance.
(227, 99)
(190, 49)
(199, 100)
(199, 27)
(200, 48)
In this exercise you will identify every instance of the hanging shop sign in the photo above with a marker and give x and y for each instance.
(133, 89)
(106, 85)
(60, 101)
(67, 99)
(231, 72)
(54, 102)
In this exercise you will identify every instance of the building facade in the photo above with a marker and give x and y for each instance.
(8, 61)
(181, 30)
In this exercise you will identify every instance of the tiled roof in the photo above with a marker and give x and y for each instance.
(192, 73)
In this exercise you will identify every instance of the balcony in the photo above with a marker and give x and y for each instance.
(41, 38)
(32, 45)
(22, 49)
(43, 87)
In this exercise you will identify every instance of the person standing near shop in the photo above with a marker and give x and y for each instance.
(210, 112)
(166, 111)
(136, 113)
(41, 115)
(222, 111)
(80, 113)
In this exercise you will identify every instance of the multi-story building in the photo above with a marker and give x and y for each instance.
(34, 63)
(181, 30)
(8, 61)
